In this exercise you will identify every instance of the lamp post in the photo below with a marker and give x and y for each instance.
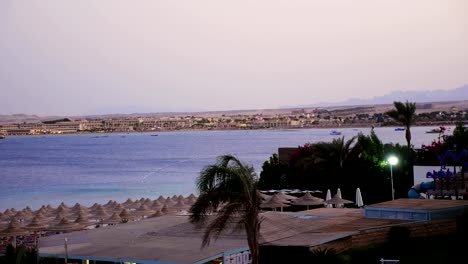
(392, 160)
(66, 250)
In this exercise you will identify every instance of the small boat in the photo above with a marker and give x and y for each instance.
(154, 135)
(400, 129)
(335, 133)
(439, 130)
(434, 131)
(2, 136)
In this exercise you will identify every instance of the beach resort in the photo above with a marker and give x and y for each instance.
(156, 231)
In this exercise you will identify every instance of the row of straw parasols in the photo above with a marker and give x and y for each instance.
(47, 218)
(281, 200)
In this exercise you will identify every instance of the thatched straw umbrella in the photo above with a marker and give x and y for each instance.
(36, 225)
(143, 211)
(82, 211)
(114, 219)
(135, 205)
(84, 221)
(265, 197)
(165, 209)
(161, 199)
(337, 200)
(148, 202)
(62, 204)
(275, 202)
(100, 214)
(156, 205)
(22, 216)
(118, 208)
(43, 210)
(94, 207)
(28, 210)
(14, 229)
(180, 205)
(169, 202)
(49, 211)
(307, 200)
(127, 203)
(109, 203)
(125, 215)
(9, 212)
(157, 214)
(76, 207)
(57, 219)
(62, 209)
(64, 226)
(284, 196)
(79, 208)
(3, 217)
(190, 200)
(192, 196)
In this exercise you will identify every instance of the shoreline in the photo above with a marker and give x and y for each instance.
(156, 132)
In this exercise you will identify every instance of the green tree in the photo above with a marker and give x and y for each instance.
(405, 114)
(274, 174)
(233, 185)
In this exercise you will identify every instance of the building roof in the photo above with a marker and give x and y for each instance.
(172, 239)
(168, 239)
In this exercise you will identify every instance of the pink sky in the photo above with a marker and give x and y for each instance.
(81, 57)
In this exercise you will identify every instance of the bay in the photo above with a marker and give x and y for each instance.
(89, 168)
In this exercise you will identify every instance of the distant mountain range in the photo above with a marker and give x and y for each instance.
(457, 94)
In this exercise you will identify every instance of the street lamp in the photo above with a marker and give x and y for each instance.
(66, 250)
(392, 160)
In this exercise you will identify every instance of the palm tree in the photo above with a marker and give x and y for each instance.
(404, 113)
(336, 152)
(233, 185)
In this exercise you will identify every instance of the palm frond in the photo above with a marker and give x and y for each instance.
(223, 218)
(232, 184)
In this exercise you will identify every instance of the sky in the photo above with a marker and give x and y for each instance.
(95, 57)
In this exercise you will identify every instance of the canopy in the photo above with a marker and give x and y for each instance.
(307, 200)
(359, 201)
(336, 200)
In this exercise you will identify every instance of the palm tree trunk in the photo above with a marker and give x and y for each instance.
(408, 136)
(253, 233)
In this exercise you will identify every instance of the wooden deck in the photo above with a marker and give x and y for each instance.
(421, 204)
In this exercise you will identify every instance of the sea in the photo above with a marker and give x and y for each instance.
(90, 168)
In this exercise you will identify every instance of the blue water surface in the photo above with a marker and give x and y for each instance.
(88, 168)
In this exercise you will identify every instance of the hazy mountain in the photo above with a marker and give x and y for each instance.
(457, 94)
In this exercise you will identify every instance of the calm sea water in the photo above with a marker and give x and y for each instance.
(40, 170)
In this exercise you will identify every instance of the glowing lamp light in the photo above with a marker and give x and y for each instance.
(392, 160)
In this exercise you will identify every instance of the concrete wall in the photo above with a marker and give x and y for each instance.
(380, 234)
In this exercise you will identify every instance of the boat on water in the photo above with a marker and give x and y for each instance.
(2, 136)
(335, 133)
(436, 130)
(400, 129)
